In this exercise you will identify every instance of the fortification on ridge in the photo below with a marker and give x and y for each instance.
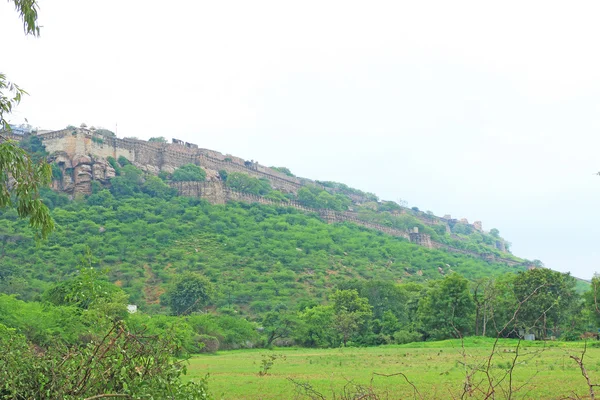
(82, 155)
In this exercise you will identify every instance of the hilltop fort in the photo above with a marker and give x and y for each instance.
(83, 155)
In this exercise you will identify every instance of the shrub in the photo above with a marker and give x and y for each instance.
(405, 336)
(208, 344)
(116, 364)
(189, 172)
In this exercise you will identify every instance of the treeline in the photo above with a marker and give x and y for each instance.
(357, 312)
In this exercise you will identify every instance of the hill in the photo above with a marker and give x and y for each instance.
(85, 159)
(314, 263)
(259, 243)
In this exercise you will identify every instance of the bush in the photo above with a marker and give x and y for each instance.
(189, 172)
(210, 344)
(405, 336)
(116, 364)
(247, 184)
(123, 161)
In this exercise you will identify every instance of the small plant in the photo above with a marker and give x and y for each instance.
(267, 362)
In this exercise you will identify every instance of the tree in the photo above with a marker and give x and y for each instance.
(279, 324)
(351, 312)
(247, 184)
(20, 184)
(189, 293)
(20, 178)
(156, 187)
(157, 139)
(483, 295)
(317, 329)
(189, 172)
(547, 299)
(447, 310)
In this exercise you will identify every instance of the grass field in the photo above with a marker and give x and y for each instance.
(437, 369)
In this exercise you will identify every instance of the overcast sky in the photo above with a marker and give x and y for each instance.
(484, 111)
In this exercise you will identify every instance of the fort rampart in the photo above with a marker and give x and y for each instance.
(91, 147)
(217, 193)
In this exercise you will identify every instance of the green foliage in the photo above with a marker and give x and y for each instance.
(404, 336)
(247, 184)
(57, 173)
(113, 163)
(43, 325)
(157, 139)
(317, 329)
(255, 254)
(156, 187)
(283, 170)
(314, 197)
(90, 290)
(123, 161)
(233, 332)
(128, 182)
(447, 309)
(33, 145)
(104, 132)
(23, 193)
(189, 172)
(189, 293)
(547, 298)
(351, 312)
(346, 190)
(267, 362)
(121, 363)
(279, 324)
(15, 164)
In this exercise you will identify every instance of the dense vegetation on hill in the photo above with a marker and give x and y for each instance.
(256, 255)
(214, 277)
(259, 265)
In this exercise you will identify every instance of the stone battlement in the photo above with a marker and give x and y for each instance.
(218, 193)
(154, 157)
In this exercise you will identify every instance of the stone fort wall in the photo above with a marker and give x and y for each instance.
(73, 143)
(155, 157)
(217, 193)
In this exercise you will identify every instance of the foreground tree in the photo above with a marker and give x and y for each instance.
(20, 178)
(549, 299)
(122, 364)
(447, 310)
(351, 312)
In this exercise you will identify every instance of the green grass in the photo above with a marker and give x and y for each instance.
(437, 369)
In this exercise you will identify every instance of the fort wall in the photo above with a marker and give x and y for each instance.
(153, 157)
(217, 193)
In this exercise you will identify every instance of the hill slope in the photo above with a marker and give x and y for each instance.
(257, 255)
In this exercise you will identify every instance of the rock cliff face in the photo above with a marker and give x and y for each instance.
(79, 171)
(82, 155)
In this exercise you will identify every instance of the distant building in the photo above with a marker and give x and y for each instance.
(23, 129)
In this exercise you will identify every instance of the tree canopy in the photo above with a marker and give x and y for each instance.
(20, 177)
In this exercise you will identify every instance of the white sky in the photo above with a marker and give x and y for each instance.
(480, 110)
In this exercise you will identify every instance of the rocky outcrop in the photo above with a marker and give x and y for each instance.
(79, 171)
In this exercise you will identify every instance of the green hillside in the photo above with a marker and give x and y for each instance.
(256, 255)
